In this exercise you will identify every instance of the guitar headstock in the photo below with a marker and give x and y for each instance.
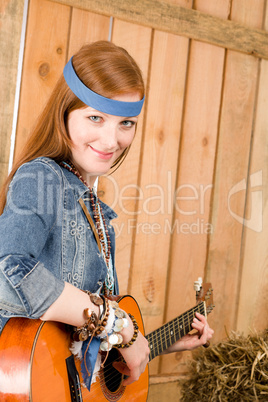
(204, 292)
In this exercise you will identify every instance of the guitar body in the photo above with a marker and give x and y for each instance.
(33, 367)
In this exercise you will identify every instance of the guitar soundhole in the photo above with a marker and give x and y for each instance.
(111, 378)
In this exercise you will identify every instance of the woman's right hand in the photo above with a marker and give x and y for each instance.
(136, 356)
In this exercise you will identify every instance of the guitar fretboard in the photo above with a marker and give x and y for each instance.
(163, 337)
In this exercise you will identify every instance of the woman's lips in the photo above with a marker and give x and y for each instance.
(102, 155)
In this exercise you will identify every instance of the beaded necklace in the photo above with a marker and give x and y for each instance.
(100, 226)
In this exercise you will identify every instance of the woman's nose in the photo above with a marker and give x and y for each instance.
(109, 137)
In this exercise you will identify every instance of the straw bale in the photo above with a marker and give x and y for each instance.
(235, 369)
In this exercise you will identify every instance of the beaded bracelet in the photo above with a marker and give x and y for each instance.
(93, 325)
(117, 321)
(82, 333)
(115, 339)
(134, 337)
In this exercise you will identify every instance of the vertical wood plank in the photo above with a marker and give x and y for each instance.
(160, 152)
(191, 225)
(10, 31)
(45, 55)
(253, 300)
(223, 266)
(120, 189)
(87, 27)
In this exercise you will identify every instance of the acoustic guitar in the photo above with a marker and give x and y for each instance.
(36, 363)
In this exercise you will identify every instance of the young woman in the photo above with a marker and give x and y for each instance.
(56, 238)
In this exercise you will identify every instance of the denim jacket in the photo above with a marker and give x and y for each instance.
(46, 240)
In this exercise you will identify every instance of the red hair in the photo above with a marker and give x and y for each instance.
(103, 67)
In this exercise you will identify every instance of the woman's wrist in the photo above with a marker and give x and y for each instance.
(110, 323)
(94, 322)
(69, 307)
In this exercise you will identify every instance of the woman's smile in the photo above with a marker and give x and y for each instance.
(101, 154)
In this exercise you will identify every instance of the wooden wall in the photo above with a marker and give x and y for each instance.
(192, 195)
(11, 14)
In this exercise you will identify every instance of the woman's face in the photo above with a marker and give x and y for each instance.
(98, 139)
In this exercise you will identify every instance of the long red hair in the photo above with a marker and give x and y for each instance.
(103, 67)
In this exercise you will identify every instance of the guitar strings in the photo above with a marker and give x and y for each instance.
(157, 341)
(179, 322)
(110, 374)
(174, 325)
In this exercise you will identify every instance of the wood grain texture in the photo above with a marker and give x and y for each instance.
(194, 185)
(86, 27)
(10, 31)
(45, 57)
(253, 298)
(234, 144)
(158, 175)
(179, 20)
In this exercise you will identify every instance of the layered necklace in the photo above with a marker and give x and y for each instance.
(101, 227)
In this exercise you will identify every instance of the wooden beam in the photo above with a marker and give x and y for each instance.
(182, 21)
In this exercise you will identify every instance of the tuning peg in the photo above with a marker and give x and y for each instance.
(198, 284)
(210, 308)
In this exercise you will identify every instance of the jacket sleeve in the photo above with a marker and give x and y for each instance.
(27, 287)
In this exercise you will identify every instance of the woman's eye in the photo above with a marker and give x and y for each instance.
(95, 119)
(128, 123)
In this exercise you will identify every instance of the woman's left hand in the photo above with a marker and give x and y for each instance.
(191, 341)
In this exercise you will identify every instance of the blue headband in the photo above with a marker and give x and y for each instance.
(96, 101)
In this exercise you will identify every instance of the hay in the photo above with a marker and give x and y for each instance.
(233, 370)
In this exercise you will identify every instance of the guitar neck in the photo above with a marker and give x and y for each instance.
(163, 337)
